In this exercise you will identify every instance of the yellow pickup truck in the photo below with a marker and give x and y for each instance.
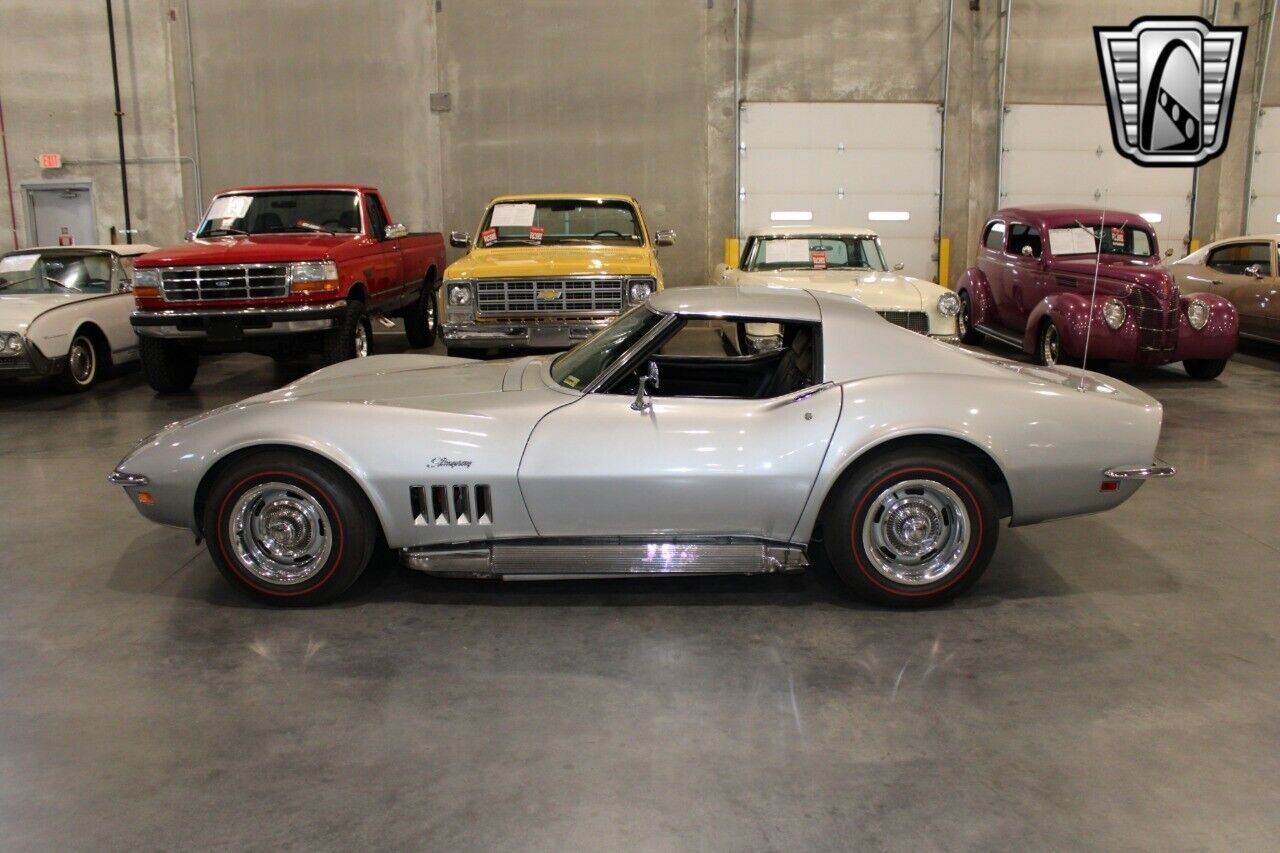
(546, 271)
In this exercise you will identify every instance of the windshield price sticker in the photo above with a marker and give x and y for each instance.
(18, 263)
(230, 207)
(512, 215)
(819, 259)
(1117, 234)
(535, 234)
(1071, 241)
(786, 252)
(489, 236)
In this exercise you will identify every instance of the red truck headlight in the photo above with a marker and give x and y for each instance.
(313, 277)
(146, 284)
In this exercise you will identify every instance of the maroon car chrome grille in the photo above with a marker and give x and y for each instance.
(239, 281)
(916, 321)
(1157, 322)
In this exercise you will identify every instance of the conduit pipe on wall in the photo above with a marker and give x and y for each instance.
(942, 141)
(195, 119)
(737, 120)
(1004, 78)
(8, 178)
(115, 81)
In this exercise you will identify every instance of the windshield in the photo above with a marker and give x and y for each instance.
(1116, 240)
(580, 366)
(55, 272)
(813, 251)
(561, 221)
(283, 212)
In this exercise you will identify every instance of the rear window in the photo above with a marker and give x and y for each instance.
(995, 236)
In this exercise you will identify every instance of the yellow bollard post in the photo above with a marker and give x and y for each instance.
(731, 253)
(1193, 246)
(944, 262)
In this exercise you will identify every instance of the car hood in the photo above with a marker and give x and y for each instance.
(1141, 271)
(406, 381)
(884, 291)
(260, 248)
(537, 261)
(17, 311)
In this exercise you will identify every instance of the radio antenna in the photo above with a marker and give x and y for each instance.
(1093, 294)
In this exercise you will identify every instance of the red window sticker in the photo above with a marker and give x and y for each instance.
(489, 236)
(819, 259)
(1117, 235)
(535, 233)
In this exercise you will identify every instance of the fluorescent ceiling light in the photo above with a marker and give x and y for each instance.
(888, 215)
(1153, 218)
(791, 216)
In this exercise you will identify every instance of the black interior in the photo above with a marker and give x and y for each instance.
(758, 376)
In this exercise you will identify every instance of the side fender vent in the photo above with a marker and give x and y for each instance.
(451, 505)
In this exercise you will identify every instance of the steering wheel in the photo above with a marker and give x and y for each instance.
(609, 231)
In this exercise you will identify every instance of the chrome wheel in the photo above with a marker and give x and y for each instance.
(361, 342)
(916, 532)
(279, 533)
(82, 361)
(1049, 344)
(962, 319)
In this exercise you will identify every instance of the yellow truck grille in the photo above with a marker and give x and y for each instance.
(562, 297)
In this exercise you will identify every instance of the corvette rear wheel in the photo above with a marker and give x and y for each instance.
(288, 529)
(911, 528)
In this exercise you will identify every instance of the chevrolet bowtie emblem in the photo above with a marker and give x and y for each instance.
(548, 295)
(1170, 84)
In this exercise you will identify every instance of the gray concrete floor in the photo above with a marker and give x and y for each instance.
(1113, 681)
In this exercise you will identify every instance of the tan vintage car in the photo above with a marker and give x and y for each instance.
(1243, 270)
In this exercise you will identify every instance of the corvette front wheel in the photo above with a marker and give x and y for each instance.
(911, 528)
(288, 529)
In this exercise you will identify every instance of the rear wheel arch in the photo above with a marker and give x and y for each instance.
(215, 471)
(965, 450)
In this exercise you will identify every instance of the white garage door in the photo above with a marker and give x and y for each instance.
(873, 165)
(1264, 210)
(1064, 155)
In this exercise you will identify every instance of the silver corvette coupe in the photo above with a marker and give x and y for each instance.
(653, 448)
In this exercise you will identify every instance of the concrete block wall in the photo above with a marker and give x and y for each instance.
(612, 95)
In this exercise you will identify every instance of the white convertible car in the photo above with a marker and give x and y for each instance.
(64, 312)
(847, 261)
(635, 453)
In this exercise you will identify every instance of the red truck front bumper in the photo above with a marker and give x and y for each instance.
(235, 324)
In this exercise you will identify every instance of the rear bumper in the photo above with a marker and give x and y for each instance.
(237, 323)
(1155, 470)
(529, 335)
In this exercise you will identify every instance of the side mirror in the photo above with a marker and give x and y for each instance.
(1168, 253)
(642, 402)
(1027, 251)
(191, 234)
(460, 239)
(665, 237)
(126, 286)
(395, 232)
(898, 267)
(1255, 271)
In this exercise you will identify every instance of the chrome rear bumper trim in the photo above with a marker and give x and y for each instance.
(1154, 471)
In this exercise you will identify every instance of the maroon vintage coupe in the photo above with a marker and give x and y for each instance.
(1033, 280)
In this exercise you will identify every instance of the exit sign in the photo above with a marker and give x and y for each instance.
(50, 160)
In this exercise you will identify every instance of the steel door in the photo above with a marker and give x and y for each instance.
(688, 465)
(55, 208)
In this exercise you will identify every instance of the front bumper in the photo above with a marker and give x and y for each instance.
(30, 363)
(558, 334)
(234, 324)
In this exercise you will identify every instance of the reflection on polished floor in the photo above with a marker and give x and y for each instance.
(1112, 680)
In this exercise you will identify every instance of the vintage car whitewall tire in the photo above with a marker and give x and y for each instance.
(288, 528)
(964, 322)
(911, 528)
(84, 364)
(421, 322)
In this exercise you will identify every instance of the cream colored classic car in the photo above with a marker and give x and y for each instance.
(847, 261)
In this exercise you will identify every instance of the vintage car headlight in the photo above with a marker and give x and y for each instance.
(949, 304)
(1113, 313)
(640, 288)
(1198, 314)
(313, 277)
(146, 283)
(459, 293)
(10, 343)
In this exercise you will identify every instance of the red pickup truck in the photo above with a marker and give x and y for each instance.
(277, 270)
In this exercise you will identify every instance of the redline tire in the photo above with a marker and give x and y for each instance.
(850, 523)
(266, 509)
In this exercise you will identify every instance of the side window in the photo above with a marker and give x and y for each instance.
(1023, 236)
(995, 236)
(1238, 257)
(377, 221)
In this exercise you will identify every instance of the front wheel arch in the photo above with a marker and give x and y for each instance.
(215, 471)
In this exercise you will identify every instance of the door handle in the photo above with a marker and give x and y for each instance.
(1215, 281)
(809, 392)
